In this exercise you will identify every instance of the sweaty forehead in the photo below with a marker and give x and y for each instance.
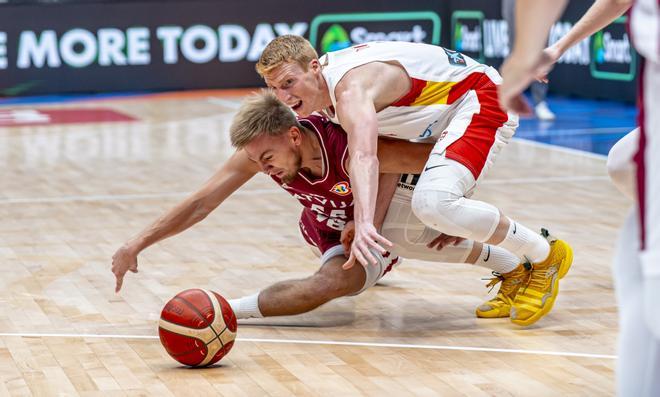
(282, 72)
(260, 145)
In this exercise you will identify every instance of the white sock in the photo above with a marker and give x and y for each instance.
(246, 307)
(497, 258)
(523, 242)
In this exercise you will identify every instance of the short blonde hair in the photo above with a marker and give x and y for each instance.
(261, 114)
(287, 48)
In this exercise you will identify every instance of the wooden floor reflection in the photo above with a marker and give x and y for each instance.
(72, 193)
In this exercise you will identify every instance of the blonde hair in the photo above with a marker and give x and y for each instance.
(287, 48)
(261, 114)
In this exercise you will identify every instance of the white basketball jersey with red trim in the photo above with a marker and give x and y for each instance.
(440, 78)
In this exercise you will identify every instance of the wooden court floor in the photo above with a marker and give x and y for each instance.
(73, 193)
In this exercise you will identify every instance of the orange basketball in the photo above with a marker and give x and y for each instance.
(197, 327)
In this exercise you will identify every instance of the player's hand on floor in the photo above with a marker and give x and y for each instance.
(347, 236)
(444, 240)
(122, 261)
(366, 237)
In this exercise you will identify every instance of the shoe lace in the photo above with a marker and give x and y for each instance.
(508, 288)
(493, 281)
(540, 279)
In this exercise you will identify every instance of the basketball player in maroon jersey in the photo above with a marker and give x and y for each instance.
(308, 158)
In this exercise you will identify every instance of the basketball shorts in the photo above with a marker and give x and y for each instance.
(327, 245)
(478, 128)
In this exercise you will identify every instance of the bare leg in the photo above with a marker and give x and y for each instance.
(292, 297)
(621, 166)
(500, 231)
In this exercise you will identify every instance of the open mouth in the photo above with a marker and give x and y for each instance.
(296, 106)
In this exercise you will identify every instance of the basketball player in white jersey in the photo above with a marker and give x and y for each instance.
(417, 91)
(634, 166)
(308, 158)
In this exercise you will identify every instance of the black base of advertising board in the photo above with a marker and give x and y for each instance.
(78, 47)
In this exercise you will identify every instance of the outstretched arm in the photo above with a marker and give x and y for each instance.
(599, 15)
(233, 174)
(533, 21)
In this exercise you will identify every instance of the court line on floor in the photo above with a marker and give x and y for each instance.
(575, 131)
(119, 197)
(331, 343)
(155, 196)
(521, 181)
(228, 103)
(561, 149)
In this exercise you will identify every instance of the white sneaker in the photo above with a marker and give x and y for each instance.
(543, 112)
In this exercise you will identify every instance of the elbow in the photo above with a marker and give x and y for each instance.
(364, 160)
(199, 211)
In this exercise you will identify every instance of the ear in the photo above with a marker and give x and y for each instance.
(314, 65)
(295, 135)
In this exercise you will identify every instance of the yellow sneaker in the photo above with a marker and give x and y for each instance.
(500, 305)
(536, 299)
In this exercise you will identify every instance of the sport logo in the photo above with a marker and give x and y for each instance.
(335, 38)
(612, 56)
(428, 131)
(467, 28)
(455, 58)
(599, 49)
(332, 32)
(608, 49)
(341, 188)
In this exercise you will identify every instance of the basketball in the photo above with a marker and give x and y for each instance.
(197, 327)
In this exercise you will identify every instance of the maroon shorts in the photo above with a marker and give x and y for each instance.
(315, 236)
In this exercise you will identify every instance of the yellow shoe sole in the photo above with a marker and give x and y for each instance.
(563, 269)
(492, 313)
(493, 316)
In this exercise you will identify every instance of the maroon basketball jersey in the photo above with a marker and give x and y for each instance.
(328, 200)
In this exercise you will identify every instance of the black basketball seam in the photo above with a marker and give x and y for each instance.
(193, 308)
(208, 325)
(222, 332)
(220, 299)
(206, 322)
(217, 335)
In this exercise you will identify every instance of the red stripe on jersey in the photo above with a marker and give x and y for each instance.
(473, 147)
(415, 90)
(639, 157)
(473, 81)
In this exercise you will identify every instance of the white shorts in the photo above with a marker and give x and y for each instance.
(477, 130)
(408, 234)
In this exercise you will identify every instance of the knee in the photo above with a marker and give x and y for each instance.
(620, 165)
(622, 175)
(432, 207)
(331, 286)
